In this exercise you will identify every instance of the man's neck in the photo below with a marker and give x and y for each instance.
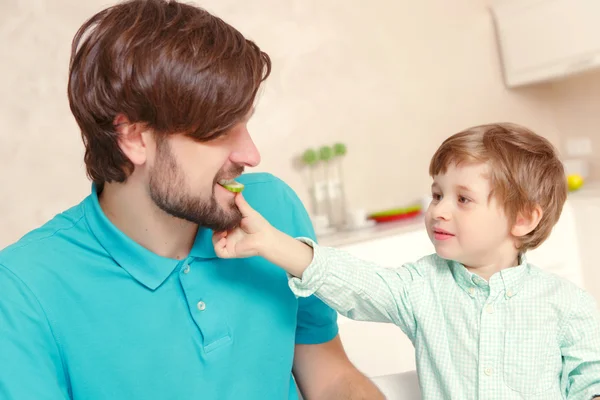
(131, 210)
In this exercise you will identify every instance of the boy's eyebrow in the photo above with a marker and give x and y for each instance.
(465, 188)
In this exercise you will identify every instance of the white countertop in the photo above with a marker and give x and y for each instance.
(383, 229)
(589, 189)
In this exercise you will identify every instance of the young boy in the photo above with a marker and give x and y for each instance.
(485, 323)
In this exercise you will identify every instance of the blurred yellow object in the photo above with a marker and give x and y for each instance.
(574, 182)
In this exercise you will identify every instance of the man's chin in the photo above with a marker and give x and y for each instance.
(215, 217)
(228, 218)
(221, 226)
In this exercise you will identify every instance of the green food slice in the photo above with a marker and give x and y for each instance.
(232, 185)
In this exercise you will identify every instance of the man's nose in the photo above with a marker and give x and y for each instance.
(245, 151)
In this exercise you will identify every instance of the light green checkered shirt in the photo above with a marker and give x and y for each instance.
(525, 334)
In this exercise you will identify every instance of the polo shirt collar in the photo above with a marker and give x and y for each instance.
(148, 268)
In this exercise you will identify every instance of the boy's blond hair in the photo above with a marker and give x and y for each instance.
(525, 171)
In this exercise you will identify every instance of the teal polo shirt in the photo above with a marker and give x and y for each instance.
(87, 313)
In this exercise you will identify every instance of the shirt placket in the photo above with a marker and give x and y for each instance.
(490, 340)
(204, 311)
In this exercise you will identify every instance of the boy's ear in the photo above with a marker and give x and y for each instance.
(527, 222)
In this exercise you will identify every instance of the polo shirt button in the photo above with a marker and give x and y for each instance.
(490, 309)
(472, 290)
(201, 306)
(186, 269)
(488, 371)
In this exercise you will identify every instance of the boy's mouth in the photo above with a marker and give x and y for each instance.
(441, 234)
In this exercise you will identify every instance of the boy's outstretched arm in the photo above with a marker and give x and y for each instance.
(257, 237)
(355, 288)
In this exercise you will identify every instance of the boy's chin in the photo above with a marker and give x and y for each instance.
(447, 255)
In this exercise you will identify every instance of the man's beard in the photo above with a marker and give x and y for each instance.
(168, 190)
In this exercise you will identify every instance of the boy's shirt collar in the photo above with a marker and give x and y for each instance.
(509, 280)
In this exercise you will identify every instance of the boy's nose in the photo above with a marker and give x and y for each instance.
(441, 211)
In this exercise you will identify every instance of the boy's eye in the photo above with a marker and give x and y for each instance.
(463, 200)
(436, 196)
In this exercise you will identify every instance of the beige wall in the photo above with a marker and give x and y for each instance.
(577, 113)
(390, 79)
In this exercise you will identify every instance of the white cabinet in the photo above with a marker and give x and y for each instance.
(586, 205)
(544, 40)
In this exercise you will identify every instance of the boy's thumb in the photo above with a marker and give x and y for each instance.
(243, 205)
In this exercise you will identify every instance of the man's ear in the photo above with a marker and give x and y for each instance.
(527, 222)
(132, 140)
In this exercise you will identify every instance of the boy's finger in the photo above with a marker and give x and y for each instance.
(221, 247)
(218, 236)
(243, 205)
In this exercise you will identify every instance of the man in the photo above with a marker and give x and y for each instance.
(122, 296)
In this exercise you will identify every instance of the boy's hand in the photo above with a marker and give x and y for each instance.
(247, 239)
(257, 237)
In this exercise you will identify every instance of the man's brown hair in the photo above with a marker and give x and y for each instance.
(525, 171)
(171, 66)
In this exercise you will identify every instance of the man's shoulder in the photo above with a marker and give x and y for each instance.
(264, 186)
(46, 243)
(277, 202)
(266, 191)
(259, 178)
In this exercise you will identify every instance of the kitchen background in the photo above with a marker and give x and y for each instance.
(388, 79)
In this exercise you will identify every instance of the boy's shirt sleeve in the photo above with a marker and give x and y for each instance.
(358, 289)
(580, 346)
